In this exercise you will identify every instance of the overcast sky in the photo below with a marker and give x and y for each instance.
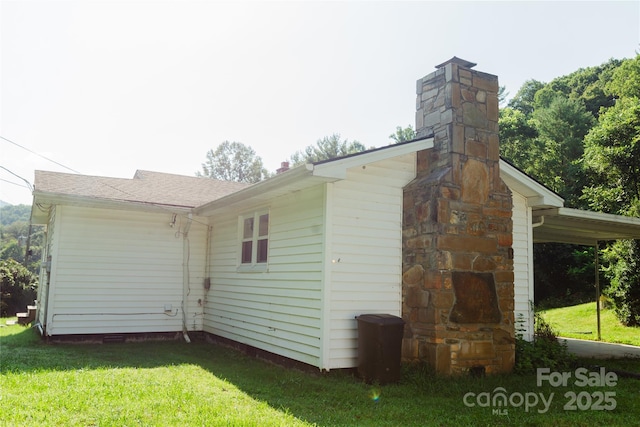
(109, 87)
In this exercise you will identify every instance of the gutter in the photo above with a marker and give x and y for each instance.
(46, 198)
(291, 176)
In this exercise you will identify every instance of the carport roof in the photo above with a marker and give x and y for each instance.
(566, 225)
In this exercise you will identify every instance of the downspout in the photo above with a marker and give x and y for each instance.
(539, 223)
(185, 277)
(207, 266)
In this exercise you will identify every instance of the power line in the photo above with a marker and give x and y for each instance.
(14, 183)
(18, 176)
(73, 170)
(38, 154)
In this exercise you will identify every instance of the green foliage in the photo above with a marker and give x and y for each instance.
(518, 135)
(586, 85)
(403, 134)
(544, 351)
(14, 213)
(612, 160)
(329, 147)
(17, 287)
(502, 94)
(564, 274)
(561, 127)
(580, 136)
(612, 156)
(625, 80)
(14, 229)
(524, 99)
(234, 161)
(624, 272)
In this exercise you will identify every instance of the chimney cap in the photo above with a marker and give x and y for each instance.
(461, 62)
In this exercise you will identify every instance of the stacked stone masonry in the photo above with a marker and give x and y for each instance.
(457, 230)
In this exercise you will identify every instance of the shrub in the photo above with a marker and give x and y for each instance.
(17, 287)
(543, 352)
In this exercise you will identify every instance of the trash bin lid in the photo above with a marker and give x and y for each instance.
(380, 319)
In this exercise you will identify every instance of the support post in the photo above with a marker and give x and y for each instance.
(598, 288)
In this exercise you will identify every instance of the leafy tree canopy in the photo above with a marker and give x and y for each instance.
(524, 99)
(587, 85)
(612, 148)
(326, 148)
(234, 161)
(12, 213)
(580, 136)
(403, 134)
(17, 287)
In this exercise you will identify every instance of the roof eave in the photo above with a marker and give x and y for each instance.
(580, 227)
(537, 195)
(312, 174)
(263, 187)
(48, 198)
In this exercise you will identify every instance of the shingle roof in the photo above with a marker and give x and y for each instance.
(145, 187)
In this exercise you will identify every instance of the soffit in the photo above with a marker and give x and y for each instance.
(566, 225)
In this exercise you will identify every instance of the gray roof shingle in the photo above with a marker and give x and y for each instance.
(145, 187)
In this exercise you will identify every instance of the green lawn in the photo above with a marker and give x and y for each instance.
(171, 383)
(580, 321)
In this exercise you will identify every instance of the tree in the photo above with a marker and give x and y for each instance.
(502, 94)
(14, 229)
(612, 157)
(17, 287)
(234, 161)
(586, 85)
(525, 97)
(326, 148)
(612, 148)
(542, 131)
(402, 135)
(562, 127)
(624, 271)
(518, 137)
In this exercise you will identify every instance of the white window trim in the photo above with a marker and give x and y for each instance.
(253, 267)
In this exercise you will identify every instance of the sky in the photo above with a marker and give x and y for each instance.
(109, 87)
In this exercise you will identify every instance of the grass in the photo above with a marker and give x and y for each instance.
(579, 321)
(171, 383)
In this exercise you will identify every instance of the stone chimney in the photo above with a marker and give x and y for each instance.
(457, 230)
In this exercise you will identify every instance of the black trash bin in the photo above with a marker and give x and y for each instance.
(379, 347)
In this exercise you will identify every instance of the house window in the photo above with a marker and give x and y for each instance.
(254, 248)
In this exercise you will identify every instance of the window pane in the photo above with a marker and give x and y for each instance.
(246, 252)
(248, 228)
(263, 228)
(262, 250)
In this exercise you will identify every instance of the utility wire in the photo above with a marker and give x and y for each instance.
(38, 154)
(73, 170)
(18, 176)
(14, 183)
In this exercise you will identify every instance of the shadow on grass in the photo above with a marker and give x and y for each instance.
(336, 398)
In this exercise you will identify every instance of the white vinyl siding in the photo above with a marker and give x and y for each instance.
(115, 272)
(277, 310)
(335, 251)
(522, 266)
(43, 281)
(366, 251)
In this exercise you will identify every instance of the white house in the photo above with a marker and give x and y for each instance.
(285, 265)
